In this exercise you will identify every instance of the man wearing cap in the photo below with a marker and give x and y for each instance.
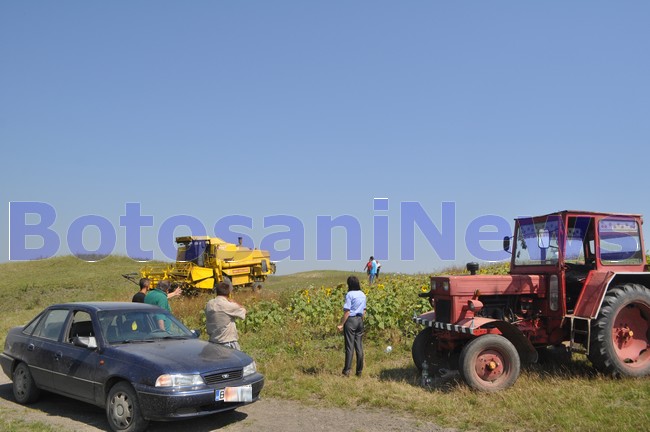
(220, 315)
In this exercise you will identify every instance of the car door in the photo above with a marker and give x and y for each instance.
(42, 347)
(75, 365)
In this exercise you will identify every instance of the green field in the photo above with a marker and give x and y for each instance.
(290, 331)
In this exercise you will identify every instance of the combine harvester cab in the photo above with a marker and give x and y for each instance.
(578, 282)
(202, 262)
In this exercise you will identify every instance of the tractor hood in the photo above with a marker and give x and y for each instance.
(443, 286)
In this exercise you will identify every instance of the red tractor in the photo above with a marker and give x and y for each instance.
(578, 281)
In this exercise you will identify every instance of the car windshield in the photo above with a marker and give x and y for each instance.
(537, 241)
(141, 326)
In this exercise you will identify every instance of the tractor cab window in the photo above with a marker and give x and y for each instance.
(580, 241)
(620, 242)
(194, 251)
(537, 241)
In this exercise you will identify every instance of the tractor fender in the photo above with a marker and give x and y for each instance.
(526, 350)
(597, 285)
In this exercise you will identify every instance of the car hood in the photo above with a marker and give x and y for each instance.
(182, 356)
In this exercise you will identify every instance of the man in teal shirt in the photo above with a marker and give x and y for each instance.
(158, 297)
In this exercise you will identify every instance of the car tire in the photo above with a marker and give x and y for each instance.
(123, 410)
(24, 387)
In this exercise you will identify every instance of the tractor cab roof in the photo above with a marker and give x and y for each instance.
(585, 213)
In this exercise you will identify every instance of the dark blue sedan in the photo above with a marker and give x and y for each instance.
(116, 356)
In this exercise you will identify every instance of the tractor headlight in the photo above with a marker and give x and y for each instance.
(179, 380)
(445, 285)
(433, 285)
(250, 369)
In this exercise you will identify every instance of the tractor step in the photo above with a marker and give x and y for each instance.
(580, 334)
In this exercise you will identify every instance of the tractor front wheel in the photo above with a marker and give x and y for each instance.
(489, 363)
(620, 336)
(425, 348)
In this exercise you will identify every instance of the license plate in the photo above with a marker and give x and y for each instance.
(235, 394)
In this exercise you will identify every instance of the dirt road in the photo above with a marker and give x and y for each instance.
(272, 415)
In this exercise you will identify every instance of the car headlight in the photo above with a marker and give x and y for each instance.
(179, 380)
(250, 369)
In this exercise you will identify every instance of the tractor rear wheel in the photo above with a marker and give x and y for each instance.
(489, 363)
(620, 335)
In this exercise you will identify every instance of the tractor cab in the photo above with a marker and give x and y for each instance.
(574, 245)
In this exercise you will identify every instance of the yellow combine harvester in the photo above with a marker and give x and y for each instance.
(202, 262)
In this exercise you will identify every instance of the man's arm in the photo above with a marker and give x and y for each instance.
(236, 310)
(178, 291)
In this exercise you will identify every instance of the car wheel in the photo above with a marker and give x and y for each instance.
(123, 411)
(25, 390)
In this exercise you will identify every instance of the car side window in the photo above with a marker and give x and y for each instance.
(51, 325)
(81, 326)
(29, 328)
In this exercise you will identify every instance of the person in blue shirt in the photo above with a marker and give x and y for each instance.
(372, 270)
(354, 310)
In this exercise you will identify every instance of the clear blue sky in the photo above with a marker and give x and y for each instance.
(262, 108)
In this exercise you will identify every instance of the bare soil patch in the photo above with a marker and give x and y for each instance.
(273, 415)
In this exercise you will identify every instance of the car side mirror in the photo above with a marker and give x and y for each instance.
(196, 332)
(89, 342)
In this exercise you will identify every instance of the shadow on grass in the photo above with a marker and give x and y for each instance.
(86, 415)
(563, 366)
(550, 367)
(409, 375)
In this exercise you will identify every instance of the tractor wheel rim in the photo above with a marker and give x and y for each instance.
(491, 365)
(630, 335)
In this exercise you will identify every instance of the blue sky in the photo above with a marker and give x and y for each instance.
(210, 109)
